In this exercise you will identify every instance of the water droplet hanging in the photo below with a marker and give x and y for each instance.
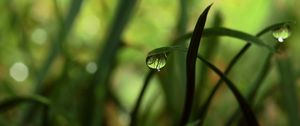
(157, 61)
(281, 33)
(157, 58)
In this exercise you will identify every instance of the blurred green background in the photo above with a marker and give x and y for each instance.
(50, 49)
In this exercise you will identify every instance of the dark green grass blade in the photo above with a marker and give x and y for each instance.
(203, 110)
(255, 86)
(247, 111)
(209, 51)
(191, 65)
(134, 113)
(288, 88)
(13, 102)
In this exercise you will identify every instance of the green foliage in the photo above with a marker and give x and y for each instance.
(76, 62)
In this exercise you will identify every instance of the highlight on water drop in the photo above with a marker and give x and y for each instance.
(281, 33)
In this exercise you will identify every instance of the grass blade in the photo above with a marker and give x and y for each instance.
(12, 102)
(134, 113)
(263, 72)
(255, 86)
(247, 111)
(191, 65)
(288, 86)
(202, 112)
(230, 33)
(209, 51)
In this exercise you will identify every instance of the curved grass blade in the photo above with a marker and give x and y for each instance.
(12, 102)
(230, 33)
(203, 110)
(274, 26)
(263, 72)
(247, 111)
(255, 86)
(134, 113)
(190, 66)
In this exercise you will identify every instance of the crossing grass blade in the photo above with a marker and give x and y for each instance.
(263, 72)
(202, 112)
(247, 111)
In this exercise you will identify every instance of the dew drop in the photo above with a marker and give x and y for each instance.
(156, 61)
(281, 33)
(157, 58)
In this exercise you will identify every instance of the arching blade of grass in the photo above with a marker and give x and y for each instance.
(191, 65)
(263, 72)
(288, 88)
(230, 33)
(5, 105)
(237, 34)
(247, 111)
(204, 109)
(134, 113)
(274, 26)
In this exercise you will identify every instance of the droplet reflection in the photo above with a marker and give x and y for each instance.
(156, 61)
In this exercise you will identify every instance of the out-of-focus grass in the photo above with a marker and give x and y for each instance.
(28, 29)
